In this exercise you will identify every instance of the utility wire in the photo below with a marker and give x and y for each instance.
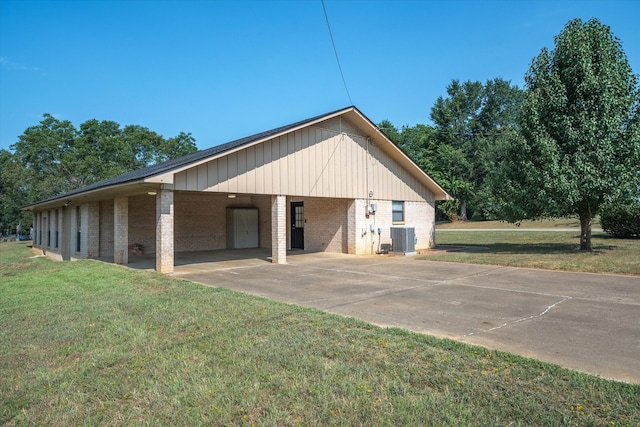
(336, 52)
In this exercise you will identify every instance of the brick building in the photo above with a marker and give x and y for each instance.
(329, 183)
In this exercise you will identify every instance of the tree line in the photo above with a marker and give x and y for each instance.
(566, 145)
(54, 157)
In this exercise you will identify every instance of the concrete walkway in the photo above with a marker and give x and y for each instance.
(587, 322)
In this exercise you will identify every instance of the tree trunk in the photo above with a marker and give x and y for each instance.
(585, 231)
(463, 212)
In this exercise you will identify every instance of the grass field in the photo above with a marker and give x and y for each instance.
(90, 343)
(474, 242)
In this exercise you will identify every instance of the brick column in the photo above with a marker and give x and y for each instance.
(90, 230)
(121, 230)
(351, 227)
(65, 233)
(363, 234)
(278, 229)
(164, 231)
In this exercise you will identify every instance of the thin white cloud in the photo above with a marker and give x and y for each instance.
(11, 65)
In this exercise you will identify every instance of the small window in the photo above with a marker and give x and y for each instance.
(397, 210)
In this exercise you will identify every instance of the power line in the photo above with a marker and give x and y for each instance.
(336, 53)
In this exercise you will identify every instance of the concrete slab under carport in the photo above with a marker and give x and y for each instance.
(587, 322)
(207, 261)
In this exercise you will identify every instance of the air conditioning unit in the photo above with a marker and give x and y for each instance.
(403, 240)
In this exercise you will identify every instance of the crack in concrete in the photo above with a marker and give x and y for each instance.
(523, 319)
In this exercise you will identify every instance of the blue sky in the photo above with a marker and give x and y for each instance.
(223, 70)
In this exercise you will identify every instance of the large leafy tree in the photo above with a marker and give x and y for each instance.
(13, 194)
(580, 143)
(456, 121)
(53, 157)
(459, 150)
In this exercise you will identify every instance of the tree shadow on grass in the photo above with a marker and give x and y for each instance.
(600, 245)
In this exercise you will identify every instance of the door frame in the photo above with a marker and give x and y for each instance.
(297, 225)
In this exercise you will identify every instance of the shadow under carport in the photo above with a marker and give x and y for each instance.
(224, 259)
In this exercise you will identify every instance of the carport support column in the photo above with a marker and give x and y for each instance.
(352, 210)
(279, 229)
(164, 231)
(121, 230)
(90, 230)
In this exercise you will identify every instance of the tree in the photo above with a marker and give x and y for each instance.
(54, 157)
(456, 120)
(12, 194)
(580, 142)
(458, 151)
(44, 151)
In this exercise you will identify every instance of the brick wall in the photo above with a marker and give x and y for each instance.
(419, 215)
(201, 220)
(326, 227)
(422, 216)
(142, 222)
(263, 203)
(90, 246)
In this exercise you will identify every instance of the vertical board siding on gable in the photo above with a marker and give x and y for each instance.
(267, 170)
(312, 161)
(222, 175)
(192, 179)
(251, 168)
(260, 187)
(203, 178)
(289, 161)
(316, 161)
(180, 180)
(241, 186)
(304, 168)
(275, 166)
(232, 172)
(329, 176)
(212, 173)
(299, 172)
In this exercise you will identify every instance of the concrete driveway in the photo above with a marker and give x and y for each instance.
(587, 322)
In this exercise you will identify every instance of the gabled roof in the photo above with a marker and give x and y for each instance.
(183, 162)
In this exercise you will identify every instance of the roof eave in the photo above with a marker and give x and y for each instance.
(64, 200)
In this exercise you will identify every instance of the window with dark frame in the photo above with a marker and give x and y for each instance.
(397, 211)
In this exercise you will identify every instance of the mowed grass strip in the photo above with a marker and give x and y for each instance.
(90, 343)
(552, 250)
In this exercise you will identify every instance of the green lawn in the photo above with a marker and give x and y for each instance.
(476, 243)
(90, 343)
